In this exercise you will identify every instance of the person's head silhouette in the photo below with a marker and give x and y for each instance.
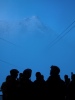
(27, 73)
(54, 70)
(14, 73)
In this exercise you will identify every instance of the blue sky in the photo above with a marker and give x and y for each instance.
(55, 14)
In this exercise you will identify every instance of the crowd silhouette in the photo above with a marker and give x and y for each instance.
(54, 88)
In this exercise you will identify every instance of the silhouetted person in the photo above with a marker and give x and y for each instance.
(26, 86)
(71, 89)
(13, 85)
(5, 88)
(20, 77)
(55, 86)
(66, 79)
(39, 86)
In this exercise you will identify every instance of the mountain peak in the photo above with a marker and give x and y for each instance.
(32, 19)
(32, 23)
(35, 18)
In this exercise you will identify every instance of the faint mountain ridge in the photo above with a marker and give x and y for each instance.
(30, 24)
(28, 28)
(33, 23)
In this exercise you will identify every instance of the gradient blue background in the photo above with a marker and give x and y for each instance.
(56, 15)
